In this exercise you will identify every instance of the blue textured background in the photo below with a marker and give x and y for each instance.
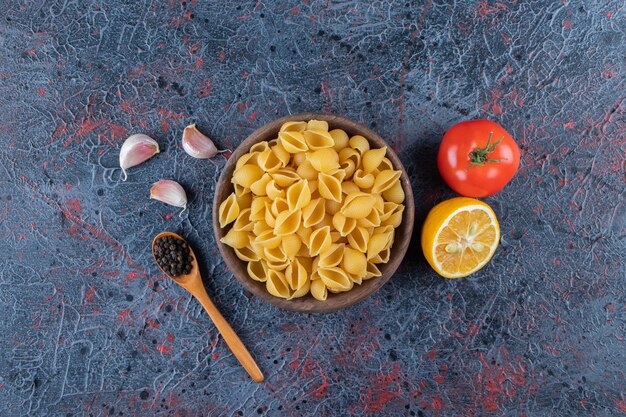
(90, 326)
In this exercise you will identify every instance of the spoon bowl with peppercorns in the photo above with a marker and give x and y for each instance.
(176, 259)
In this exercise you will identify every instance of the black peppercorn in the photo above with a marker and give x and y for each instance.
(173, 256)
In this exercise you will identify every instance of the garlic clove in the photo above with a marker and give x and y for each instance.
(169, 192)
(198, 145)
(137, 149)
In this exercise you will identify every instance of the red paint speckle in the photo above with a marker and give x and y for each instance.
(472, 330)
(437, 403)
(438, 379)
(194, 47)
(567, 24)
(168, 216)
(490, 403)
(87, 126)
(382, 390)
(204, 89)
(74, 206)
(75, 232)
(138, 71)
(484, 9)
(152, 323)
(569, 125)
(216, 355)
(222, 56)
(326, 92)
(499, 380)
(621, 405)
(170, 115)
(89, 294)
(41, 91)
(123, 315)
(252, 116)
(126, 106)
(295, 11)
(130, 277)
(164, 349)
(117, 131)
(608, 74)
(432, 355)
(320, 391)
(307, 368)
(59, 131)
(496, 107)
(242, 107)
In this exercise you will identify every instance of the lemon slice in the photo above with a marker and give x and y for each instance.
(460, 236)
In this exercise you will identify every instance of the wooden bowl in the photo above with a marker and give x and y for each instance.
(308, 304)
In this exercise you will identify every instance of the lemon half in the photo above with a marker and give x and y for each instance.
(460, 236)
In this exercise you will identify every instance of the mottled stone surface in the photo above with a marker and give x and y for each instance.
(91, 327)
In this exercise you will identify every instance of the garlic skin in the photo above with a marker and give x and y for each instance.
(169, 192)
(136, 149)
(198, 145)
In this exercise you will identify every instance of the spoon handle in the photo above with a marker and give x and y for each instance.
(230, 337)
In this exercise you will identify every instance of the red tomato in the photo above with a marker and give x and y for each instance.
(477, 158)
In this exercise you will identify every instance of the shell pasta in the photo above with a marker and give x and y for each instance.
(313, 211)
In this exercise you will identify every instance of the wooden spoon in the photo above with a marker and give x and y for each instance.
(192, 282)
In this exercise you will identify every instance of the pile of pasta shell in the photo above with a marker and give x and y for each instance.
(313, 210)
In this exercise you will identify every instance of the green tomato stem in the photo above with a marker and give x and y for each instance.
(479, 155)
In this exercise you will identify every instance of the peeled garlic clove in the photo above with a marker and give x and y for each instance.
(135, 150)
(169, 192)
(198, 145)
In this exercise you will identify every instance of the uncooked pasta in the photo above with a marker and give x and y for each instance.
(313, 211)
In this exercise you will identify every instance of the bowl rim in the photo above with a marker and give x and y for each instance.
(308, 304)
